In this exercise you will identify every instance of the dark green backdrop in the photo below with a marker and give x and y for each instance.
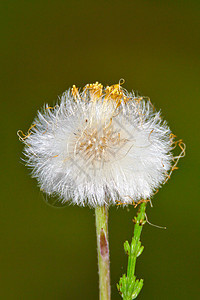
(47, 46)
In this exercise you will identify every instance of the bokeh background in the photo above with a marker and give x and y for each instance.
(46, 47)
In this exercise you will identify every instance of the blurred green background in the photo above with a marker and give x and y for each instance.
(46, 47)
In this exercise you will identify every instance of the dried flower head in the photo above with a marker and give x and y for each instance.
(100, 145)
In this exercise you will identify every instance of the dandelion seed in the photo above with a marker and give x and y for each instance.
(99, 146)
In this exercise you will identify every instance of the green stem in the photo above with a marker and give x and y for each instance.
(101, 214)
(139, 221)
(130, 287)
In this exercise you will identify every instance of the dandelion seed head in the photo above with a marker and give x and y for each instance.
(98, 146)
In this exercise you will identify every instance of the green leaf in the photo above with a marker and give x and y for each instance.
(127, 247)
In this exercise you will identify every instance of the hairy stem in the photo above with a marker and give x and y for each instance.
(101, 214)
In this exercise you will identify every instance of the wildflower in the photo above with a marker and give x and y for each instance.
(99, 146)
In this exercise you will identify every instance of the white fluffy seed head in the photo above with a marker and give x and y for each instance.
(99, 146)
